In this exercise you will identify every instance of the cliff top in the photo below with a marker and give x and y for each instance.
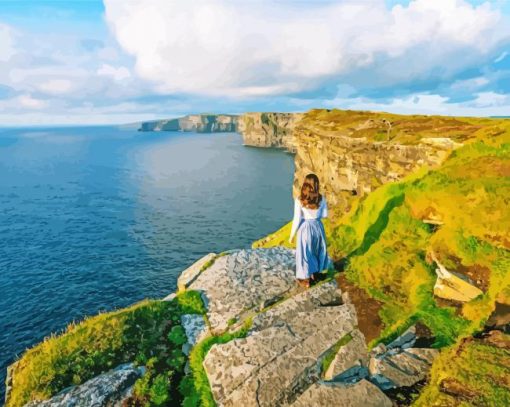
(402, 129)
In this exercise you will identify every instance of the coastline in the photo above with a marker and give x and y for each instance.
(379, 182)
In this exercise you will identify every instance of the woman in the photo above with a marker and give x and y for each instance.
(311, 250)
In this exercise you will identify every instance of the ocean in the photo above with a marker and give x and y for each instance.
(97, 218)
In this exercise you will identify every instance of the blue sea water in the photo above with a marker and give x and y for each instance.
(96, 218)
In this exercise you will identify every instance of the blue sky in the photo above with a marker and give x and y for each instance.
(118, 61)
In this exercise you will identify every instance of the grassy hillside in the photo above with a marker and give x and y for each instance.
(458, 212)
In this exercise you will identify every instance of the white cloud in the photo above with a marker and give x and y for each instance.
(117, 73)
(484, 104)
(23, 102)
(56, 86)
(267, 48)
(7, 49)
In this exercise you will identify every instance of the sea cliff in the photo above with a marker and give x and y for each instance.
(414, 309)
(199, 123)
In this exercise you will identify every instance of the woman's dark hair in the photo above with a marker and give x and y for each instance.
(310, 196)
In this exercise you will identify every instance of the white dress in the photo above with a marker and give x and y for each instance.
(311, 248)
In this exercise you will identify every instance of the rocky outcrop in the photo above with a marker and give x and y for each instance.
(281, 361)
(269, 129)
(242, 281)
(452, 287)
(351, 360)
(200, 123)
(350, 166)
(360, 394)
(108, 389)
(400, 364)
(351, 158)
(281, 355)
(192, 272)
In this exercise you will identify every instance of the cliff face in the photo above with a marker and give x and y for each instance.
(200, 123)
(269, 129)
(352, 152)
(348, 166)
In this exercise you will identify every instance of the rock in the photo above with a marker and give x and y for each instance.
(361, 394)
(240, 281)
(451, 287)
(406, 340)
(441, 142)
(191, 273)
(497, 339)
(401, 369)
(500, 317)
(457, 389)
(194, 327)
(8, 380)
(282, 353)
(170, 297)
(269, 129)
(398, 364)
(379, 349)
(425, 354)
(353, 374)
(104, 390)
(351, 355)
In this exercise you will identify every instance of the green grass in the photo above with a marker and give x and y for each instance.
(478, 368)
(385, 247)
(190, 302)
(91, 347)
(148, 333)
(196, 388)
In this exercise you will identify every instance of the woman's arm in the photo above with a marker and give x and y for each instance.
(297, 219)
(324, 212)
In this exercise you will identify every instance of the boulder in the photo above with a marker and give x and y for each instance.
(241, 281)
(406, 340)
(282, 353)
(360, 394)
(191, 273)
(401, 368)
(352, 356)
(107, 389)
(452, 287)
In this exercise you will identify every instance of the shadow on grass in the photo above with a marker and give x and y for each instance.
(374, 231)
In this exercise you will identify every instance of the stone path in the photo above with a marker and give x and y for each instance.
(243, 280)
(280, 361)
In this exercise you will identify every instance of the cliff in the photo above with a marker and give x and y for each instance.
(269, 129)
(423, 235)
(200, 123)
(354, 153)
(418, 293)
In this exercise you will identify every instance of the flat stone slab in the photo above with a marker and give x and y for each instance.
(191, 273)
(244, 280)
(403, 368)
(104, 390)
(426, 354)
(360, 394)
(282, 354)
(354, 353)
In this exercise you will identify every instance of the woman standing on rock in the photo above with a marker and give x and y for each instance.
(311, 250)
